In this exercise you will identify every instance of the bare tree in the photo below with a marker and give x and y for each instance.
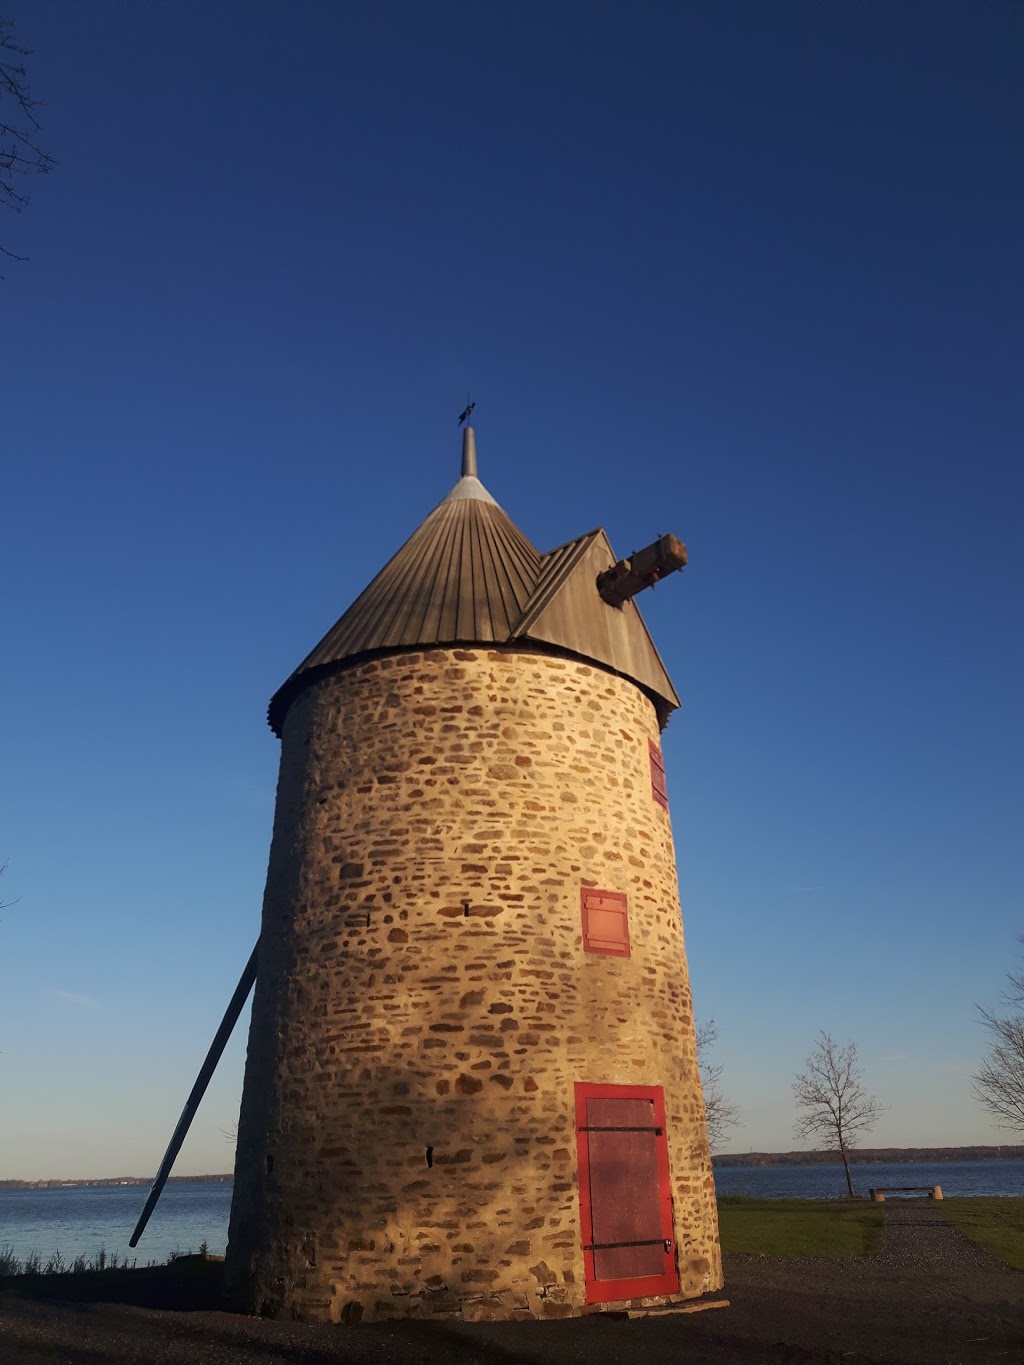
(721, 1113)
(20, 153)
(999, 1081)
(834, 1106)
(5, 904)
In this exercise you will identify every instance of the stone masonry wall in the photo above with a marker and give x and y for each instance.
(424, 1004)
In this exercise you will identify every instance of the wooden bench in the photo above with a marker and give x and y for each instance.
(932, 1191)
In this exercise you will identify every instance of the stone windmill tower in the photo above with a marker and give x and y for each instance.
(471, 1086)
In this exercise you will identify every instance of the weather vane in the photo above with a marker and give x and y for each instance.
(464, 415)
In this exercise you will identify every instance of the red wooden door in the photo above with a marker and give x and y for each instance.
(625, 1198)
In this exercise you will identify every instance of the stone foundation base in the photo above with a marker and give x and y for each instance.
(510, 1306)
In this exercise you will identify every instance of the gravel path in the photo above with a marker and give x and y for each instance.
(917, 1237)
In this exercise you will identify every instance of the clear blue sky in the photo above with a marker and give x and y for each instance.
(747, 272)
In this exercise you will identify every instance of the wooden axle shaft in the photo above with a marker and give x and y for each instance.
(641, 570)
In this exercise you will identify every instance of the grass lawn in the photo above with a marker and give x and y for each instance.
(996, 1224)
(836, 1228)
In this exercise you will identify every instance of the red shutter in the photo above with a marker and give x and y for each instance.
(658, 789)
(605, 922)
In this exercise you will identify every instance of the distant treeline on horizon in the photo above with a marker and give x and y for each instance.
(114, 1180)
(867, 1156)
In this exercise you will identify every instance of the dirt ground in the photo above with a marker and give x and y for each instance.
(926, 1298)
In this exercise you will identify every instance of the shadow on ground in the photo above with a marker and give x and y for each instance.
(926, 1297)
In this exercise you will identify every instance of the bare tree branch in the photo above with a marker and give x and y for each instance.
(721, 1114)
(5, 904)
(833, 1105)
(20, 153)
(999, 1080)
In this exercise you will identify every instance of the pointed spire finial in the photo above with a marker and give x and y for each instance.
(468, 453)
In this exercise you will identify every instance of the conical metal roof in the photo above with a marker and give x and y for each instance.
(468, 575)
(465, 575)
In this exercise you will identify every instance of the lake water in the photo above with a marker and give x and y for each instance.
(79, 1222)
(829, 1182)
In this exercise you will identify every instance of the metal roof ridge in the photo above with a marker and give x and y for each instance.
(555, 567)
(573, 540)
(469, 486)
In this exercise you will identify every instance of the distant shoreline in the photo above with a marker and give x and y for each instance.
(865, 1156)
(871, 1156)
(112, 1180)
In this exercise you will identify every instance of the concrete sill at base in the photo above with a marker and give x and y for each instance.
(669, 1309)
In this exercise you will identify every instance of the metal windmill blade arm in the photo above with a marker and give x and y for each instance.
(206, 1071)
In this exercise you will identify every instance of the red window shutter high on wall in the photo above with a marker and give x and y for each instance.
(605, 922)
(658, 788)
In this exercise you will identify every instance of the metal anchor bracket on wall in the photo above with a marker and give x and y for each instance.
(665, 1242)
(618, 1128)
